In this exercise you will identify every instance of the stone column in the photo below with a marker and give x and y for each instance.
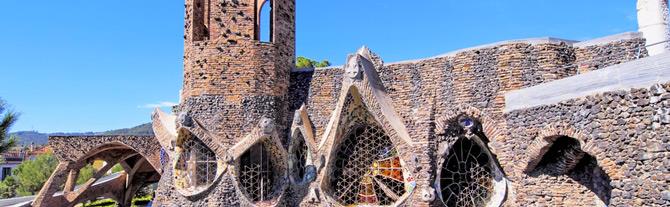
(652, 18)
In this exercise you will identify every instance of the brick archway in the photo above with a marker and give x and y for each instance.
(139, 156)
(550, 133)
(562, 152)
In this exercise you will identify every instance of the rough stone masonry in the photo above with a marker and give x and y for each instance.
(531, 122)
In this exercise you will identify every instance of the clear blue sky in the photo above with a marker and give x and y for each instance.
(82, 65)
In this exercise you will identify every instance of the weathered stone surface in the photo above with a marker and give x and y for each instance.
(140, 156)
(232, 82)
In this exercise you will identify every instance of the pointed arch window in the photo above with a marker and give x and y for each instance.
(300, 156)
(367, 169)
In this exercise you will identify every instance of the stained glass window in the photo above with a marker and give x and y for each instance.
(367, 169)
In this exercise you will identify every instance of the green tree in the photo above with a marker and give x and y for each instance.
(32, 174)
(8, 187)
(303, 62)
(117, 168)
(6, 141)
(85, 173)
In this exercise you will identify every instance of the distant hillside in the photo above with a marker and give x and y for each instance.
(144, 129)
(27, 137)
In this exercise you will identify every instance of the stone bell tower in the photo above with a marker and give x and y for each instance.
(224, 54)
(238, 55)
(231, 72)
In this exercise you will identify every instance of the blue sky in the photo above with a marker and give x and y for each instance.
(82, 65)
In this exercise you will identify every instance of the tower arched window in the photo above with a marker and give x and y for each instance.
(264, 21)
(200, 20)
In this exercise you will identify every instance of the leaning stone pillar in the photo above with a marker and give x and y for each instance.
(45, 196)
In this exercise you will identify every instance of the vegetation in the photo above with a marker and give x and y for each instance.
(303, 62)
(117, 168)
(100, 203)
(136, 202)
(85, 173)
(141, 200)
(6, 141)
(29, 177)
(8, 187)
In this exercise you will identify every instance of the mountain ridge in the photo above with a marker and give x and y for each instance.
(37, 138)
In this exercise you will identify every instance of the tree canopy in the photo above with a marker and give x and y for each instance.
(303, 62)
(32, 174)
(6, 141)
(29, 176)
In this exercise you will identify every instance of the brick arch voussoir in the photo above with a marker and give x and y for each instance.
(492, 129)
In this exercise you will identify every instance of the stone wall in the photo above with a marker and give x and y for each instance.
(232, 81)
(471, 81)
(318, 90)
(477, 77)
(607, 51)
(626, 131)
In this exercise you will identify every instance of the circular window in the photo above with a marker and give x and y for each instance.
(196, 166)
(367, 169)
